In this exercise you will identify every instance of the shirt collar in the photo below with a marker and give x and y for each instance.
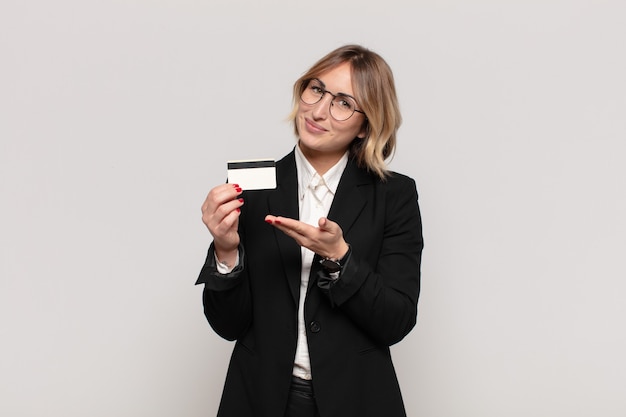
(308, 175)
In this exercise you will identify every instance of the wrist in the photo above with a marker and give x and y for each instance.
(227, 257)
(335, 265)
(340, 253)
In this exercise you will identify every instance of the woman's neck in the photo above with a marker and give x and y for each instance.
(321, 161)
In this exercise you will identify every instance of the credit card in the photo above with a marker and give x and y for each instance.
(253, 174)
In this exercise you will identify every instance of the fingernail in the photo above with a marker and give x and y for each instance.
(238, 210)
(268, 221)
(238, 189)
(241, 200)
(277, 222)
(236, 185)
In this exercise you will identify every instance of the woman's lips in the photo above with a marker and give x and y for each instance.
(314, 127)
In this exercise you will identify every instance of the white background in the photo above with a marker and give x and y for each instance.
(118, 116)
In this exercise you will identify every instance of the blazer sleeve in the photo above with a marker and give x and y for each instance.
(226, 297)
(379, 289)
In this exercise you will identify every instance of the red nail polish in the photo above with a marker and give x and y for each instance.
(236, 185)
(238, 210)
(238, 189)
(241, 200)
(268, 221)
(277, 222)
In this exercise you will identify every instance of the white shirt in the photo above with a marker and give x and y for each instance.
(315, 196)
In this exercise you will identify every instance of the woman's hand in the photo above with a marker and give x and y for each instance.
(325, 240)
(220, 214)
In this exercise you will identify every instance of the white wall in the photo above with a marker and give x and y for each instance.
(117, 116)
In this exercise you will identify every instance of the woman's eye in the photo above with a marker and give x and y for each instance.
(344, 104)
(317, 90)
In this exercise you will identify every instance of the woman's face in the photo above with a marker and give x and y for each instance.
(320, 134)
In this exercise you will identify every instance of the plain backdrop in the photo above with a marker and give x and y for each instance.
(118, 116)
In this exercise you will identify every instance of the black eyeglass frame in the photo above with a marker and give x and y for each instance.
(305, 84)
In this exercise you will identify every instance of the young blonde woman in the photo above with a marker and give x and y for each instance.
(315, 279)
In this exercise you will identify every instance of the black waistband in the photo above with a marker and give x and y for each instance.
(301, 385)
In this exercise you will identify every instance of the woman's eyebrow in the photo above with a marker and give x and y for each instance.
(319, 81)
(337, 94)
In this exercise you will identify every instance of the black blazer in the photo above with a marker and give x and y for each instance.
(349, 326)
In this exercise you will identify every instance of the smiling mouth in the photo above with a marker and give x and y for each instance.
(312, 126)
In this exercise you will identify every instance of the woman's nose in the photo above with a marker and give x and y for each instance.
(322, 107)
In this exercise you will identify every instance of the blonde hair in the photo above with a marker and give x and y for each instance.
(375, 93)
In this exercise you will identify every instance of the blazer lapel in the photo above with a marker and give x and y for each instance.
(348, 203)
(284, 202)
(350, 199)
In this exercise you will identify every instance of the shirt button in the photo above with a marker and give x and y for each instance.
(315, 327)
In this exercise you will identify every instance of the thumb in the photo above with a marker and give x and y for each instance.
(326, 224)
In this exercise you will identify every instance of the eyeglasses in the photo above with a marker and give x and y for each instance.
(342, 106)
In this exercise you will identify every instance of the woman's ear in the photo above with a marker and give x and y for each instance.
(365, 130)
